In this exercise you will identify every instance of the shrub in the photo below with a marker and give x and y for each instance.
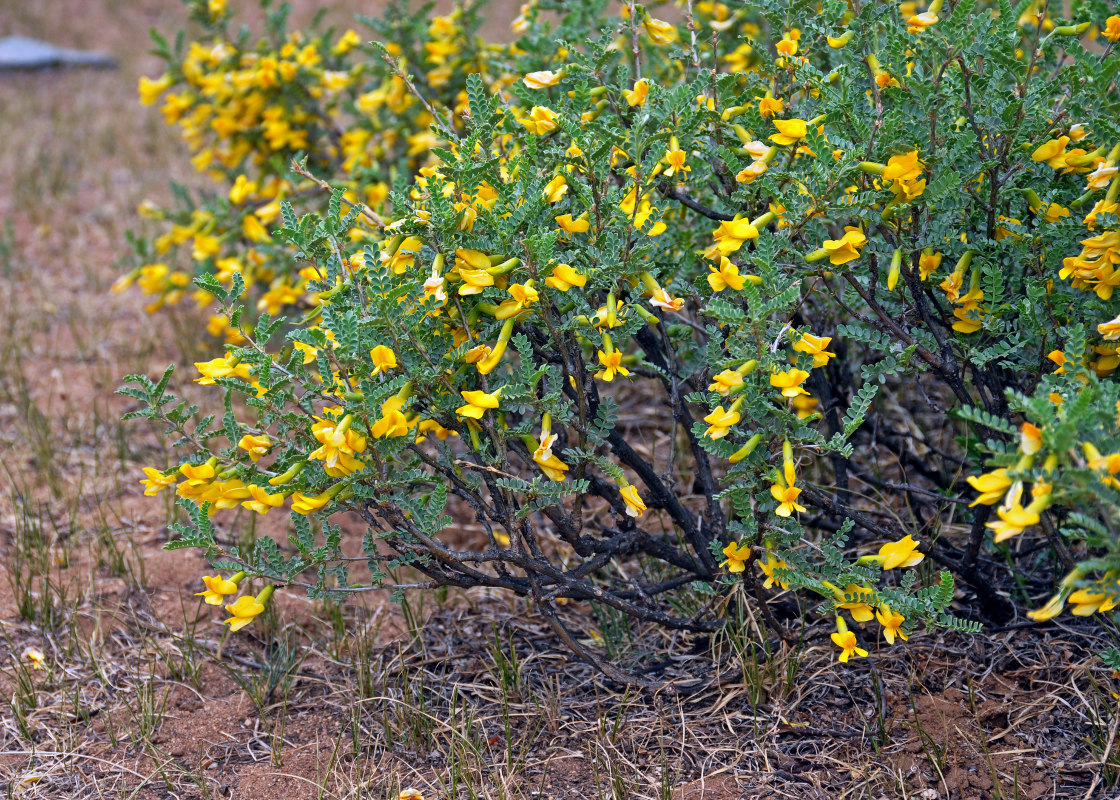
(678, 313)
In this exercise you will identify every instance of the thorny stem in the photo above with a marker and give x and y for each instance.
(366, 211)
(400, 73)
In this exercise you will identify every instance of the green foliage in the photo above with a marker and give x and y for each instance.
(635, 329)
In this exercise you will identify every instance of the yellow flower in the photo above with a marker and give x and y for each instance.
(790, 131)
(1054, 212)
(1100, 177)
(674, 159)
(431, 426)
(737, 555)
(1110, 330)
(519, 26)
(36, 658)
(1052, 608)
(991, 486)
(262, 502)
(760, 151)
(884, 79)
(347, 42)
(404, 256)
(846, 248)
(952, 286)
(789, 382)
(731, 234)
(919, 22)
(151, 90)
(474, 281)
(205, 247)
(724, 382)
(903, 171)
(612, 364)
(306, 504)
(218, 587)
(663, 300)
(477, 353)
(725, 276)
(1013, 517)
(769, 566)
(198, 472)
(815, 347)
(804, 406)
(605, 318)
(199, 480)
(1112, 28)
(903, 553)
(928, 263)
(434, 288)
(846, 641)
(224, 494)
(769, 106)
(335, 80)
(635, 507)
(637, 96)
(242, 190)
(1053, 149)
(245, 609)
(783, 489)
(720, 422)
(541, 120)
(523, 295)
(467, 216)
(660, 31)
(1087, 601)
(156, 481)
(393, 422)
(859, 606)
(1101, 463)
(564, 277)
(570, 226)
(339, 446)
(478, 402)
(1030, 439)
(891, 622)
(543, 79)
(471, 259)
(903, 167)
(555, 189)
(384, 359)
(280, 295)
(549, 463)
(269, 212)
(748, 174)
(643, 214)
(174, 106)
(255, 446)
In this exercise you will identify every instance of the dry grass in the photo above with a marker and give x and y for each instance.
(476, 702)
(141, 694)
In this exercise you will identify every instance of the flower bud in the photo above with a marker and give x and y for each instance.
(746, 449)
(1071, 30)
(896, 266)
